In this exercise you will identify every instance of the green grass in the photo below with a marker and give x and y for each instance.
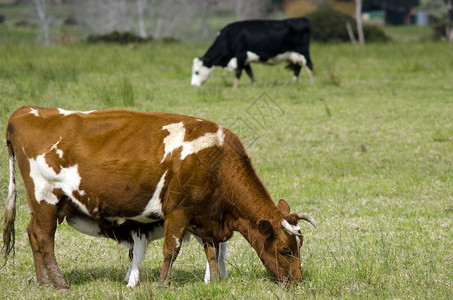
(409, 33)
(367, 150)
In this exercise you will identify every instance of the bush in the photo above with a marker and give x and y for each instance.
(329, 25)
(438, 31)
(117, 37)
(374, 33)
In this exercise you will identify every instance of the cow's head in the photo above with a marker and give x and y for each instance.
(282, 244)
(200, 72)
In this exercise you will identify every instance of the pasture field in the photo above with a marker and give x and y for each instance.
(367, 150)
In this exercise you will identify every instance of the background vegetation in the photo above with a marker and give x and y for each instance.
(367, 150)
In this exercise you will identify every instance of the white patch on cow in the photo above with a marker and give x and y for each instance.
(11, 200)
(138, 255)
(292, 56)
(298, 241)
(68, 112)
(45, 180)
(251, 57)
(232, 64)
(58, 151)
(200, 72)
(178, 243)
(175, 139)
(126, 245)
(154, 205)
(34, 111)
(207, 140)
(85, 225)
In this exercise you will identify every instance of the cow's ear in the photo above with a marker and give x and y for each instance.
(265, 228)
(284, 207)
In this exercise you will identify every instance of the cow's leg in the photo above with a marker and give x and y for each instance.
(222, 259)
(42, 229)
(42, 276)
(137, 255)
(211, 255)
(296, 68)
(129, 270)
(175, 227)
(241, 58)
(310, 74)
(306, 61)
(249, 71)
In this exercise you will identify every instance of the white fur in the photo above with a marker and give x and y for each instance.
(207, 140)
(200, 72)
(45, 180)
(85, 225)
(251, 57)
(292, 56)
(177, 241)
(155, 204)
(11, 200)
(68, 112)
(34, 111)
(232, 64)
(138, 255)
(175, 139)
(58, 151)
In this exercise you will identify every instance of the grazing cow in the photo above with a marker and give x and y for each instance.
(128, 175)
(265, 41)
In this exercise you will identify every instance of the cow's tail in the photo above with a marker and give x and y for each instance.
(9, 235)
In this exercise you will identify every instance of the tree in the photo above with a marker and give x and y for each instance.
(141, 6)
(358, 18)
(43, 19)
(441, 10)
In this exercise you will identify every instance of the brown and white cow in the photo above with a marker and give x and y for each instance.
(124, 174)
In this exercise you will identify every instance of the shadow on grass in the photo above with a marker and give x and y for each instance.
(179, 277)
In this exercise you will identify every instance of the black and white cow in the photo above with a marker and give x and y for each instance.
(265, 41)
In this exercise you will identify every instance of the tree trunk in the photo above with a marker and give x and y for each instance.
(41, 9)
(449, 21)
(350, 33)
(141, 6)
(358, 18)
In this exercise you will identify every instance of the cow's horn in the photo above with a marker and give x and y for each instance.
(308, 218)
(290, 228)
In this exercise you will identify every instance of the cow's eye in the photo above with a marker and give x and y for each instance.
(286, 250)
(196, 73)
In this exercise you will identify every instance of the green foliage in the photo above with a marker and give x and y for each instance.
(367, 150)
(329, 25)
(438, 30)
